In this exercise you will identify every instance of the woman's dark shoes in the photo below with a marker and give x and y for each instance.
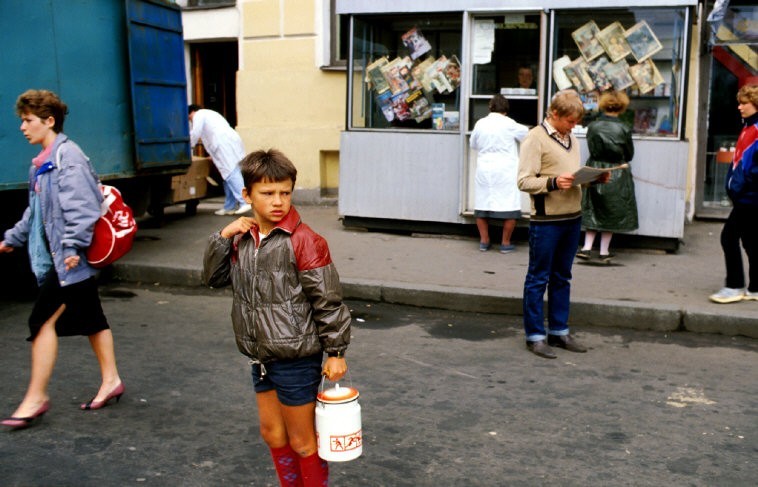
(115, 393)
(566, 341)
(584, 254)
(21, 423)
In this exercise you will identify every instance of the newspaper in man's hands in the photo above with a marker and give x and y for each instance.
(590, 174)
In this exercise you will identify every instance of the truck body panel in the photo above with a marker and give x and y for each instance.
(81, 50)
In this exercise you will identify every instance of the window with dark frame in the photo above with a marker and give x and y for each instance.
(339, 31)
(407, 71)
(656, 39)
(201, 4)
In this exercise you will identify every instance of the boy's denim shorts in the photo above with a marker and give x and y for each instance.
(295, 381)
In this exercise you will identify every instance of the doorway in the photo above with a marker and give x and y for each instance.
(214, 75)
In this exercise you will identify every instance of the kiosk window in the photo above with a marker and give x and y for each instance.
(406, 71)
(638, 50)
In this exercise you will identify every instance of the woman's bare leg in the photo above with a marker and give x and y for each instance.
(508, 227)
(102, 345)
(589, 239)
(605, 242)
(44, 355)
(482, 224)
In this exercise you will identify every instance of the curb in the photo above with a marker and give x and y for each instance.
(591, 312)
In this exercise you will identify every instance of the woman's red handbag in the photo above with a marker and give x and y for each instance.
(114, 230)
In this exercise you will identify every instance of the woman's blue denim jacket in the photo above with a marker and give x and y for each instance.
(71, 200)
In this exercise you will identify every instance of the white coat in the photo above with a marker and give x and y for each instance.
(495, 138)
(222, 142)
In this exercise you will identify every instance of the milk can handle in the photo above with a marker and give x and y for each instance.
(324, 379)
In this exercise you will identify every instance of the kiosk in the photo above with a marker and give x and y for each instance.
(421, 75)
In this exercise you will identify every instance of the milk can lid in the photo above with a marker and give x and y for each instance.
(338, 395)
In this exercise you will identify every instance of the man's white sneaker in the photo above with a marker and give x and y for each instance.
(728, 295)
(223, 212)
(750, 296)
(243, 209)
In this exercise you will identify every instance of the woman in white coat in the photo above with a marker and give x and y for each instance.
(496, 195)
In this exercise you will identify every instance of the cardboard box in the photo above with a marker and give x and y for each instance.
(193, 184)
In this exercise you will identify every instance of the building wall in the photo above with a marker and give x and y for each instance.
(284, 99)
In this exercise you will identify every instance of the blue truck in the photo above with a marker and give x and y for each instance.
(119, 66)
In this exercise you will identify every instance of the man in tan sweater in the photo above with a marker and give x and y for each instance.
(548, 158)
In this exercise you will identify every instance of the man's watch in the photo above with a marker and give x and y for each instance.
(336, 354)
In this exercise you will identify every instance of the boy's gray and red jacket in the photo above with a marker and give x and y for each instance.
(287, 298)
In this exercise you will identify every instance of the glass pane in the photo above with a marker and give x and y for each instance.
(734, 62)
(407, 71)
(739, 25)
(638, 50)
(211, 3)
(505, 59)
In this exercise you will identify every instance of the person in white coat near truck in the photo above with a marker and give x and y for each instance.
(224, 145)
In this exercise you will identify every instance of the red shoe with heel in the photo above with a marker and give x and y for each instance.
(115, 393)
(21, 423)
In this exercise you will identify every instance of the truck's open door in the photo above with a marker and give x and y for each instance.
(158, 85)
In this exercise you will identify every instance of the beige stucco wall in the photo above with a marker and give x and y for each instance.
(284, 99)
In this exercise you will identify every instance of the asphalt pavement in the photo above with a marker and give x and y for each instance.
(645, 289)
(448, 399)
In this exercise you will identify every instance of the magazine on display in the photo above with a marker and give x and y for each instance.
(618, 73)
(559, 74)
(418, 71)
(395, 80)
(375, 77)
(596, 70)
(645, 120)
(587, 41)
(577, 73)
(613, 41)
(451, 120)
(436, 76)
(400, 107)
(452, 71)
(642, 41)
(646, 75)
(416, 43)
(419, 106)
(404, 87)
(438, 116)
(384, 100)
(406, 74)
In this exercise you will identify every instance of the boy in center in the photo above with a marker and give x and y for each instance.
(287, 311)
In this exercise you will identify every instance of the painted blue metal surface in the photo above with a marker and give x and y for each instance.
(159, 84)
(78, 48)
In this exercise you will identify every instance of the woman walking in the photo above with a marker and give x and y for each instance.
(57, 226)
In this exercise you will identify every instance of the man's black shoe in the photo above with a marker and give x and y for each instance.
(566, 341)
(541, 348)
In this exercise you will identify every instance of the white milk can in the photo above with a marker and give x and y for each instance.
(338, 424)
